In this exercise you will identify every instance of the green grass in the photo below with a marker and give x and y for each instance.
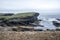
(19, 15)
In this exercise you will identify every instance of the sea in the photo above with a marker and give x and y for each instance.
(47, 22)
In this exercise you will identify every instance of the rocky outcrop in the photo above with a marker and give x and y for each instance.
(15, 20)
(55, 23)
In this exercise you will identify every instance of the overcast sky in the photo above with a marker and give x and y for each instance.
(42, 6)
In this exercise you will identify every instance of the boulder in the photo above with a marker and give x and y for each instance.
(55, 23)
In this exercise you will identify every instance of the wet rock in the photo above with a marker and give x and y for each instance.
(58, 19)
(57, 29)
(55, 23)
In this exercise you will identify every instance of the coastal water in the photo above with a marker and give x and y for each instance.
(47, 21)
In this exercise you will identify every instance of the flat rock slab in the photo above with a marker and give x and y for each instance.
(30, 35)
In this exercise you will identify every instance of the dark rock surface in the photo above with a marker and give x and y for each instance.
(18, 21)
(55, 23)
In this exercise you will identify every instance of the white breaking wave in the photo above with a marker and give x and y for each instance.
(47, 23)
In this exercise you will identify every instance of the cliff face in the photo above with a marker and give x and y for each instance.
(18, 19)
